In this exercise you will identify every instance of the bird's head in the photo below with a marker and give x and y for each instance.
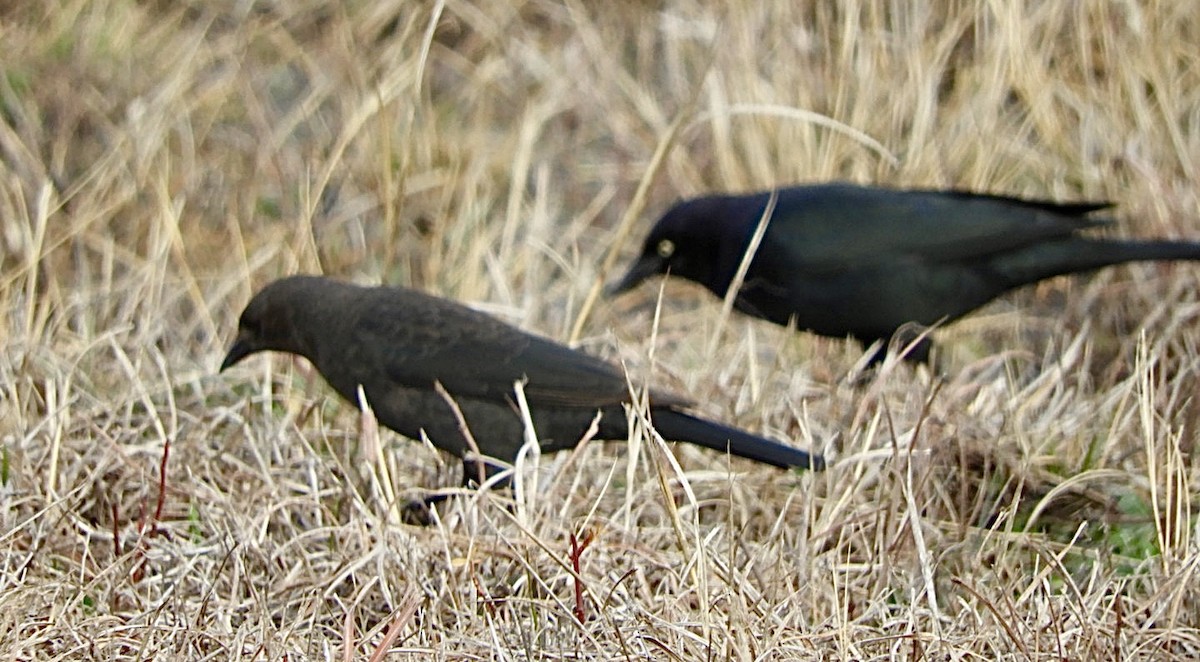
(686, 242)
(268, 322)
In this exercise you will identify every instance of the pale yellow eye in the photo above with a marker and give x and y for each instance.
(666, 248)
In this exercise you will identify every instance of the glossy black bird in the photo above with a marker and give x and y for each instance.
(847, 260)
(397, 343)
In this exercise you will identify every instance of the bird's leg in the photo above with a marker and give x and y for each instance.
(475, 471)
(916, 348)
(911, 341)
(478, 470)
(420, 511)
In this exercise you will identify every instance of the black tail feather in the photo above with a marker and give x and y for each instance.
(1078, 254)
(678, 426)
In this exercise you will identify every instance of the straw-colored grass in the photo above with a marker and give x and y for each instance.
(160, 161)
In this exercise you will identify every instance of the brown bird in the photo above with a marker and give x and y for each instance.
(398, 343)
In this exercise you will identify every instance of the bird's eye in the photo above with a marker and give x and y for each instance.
(666, 248)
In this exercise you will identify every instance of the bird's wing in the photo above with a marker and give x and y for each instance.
(839, 226)
(423, 339)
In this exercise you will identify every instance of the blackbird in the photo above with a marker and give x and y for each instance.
(398, 343)
(846, 260)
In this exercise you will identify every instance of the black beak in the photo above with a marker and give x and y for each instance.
(645, 267)
(241, 349)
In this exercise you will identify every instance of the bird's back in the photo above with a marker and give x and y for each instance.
(833, 227)
(412, 340)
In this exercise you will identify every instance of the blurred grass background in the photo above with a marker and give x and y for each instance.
(160, 161)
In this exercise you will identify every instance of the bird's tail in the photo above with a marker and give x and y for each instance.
(678, 426)
(1080, 254)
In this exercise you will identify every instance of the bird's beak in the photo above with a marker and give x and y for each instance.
(645, 267)
(241, 349)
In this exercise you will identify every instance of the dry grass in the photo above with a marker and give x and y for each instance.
(159, 161)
